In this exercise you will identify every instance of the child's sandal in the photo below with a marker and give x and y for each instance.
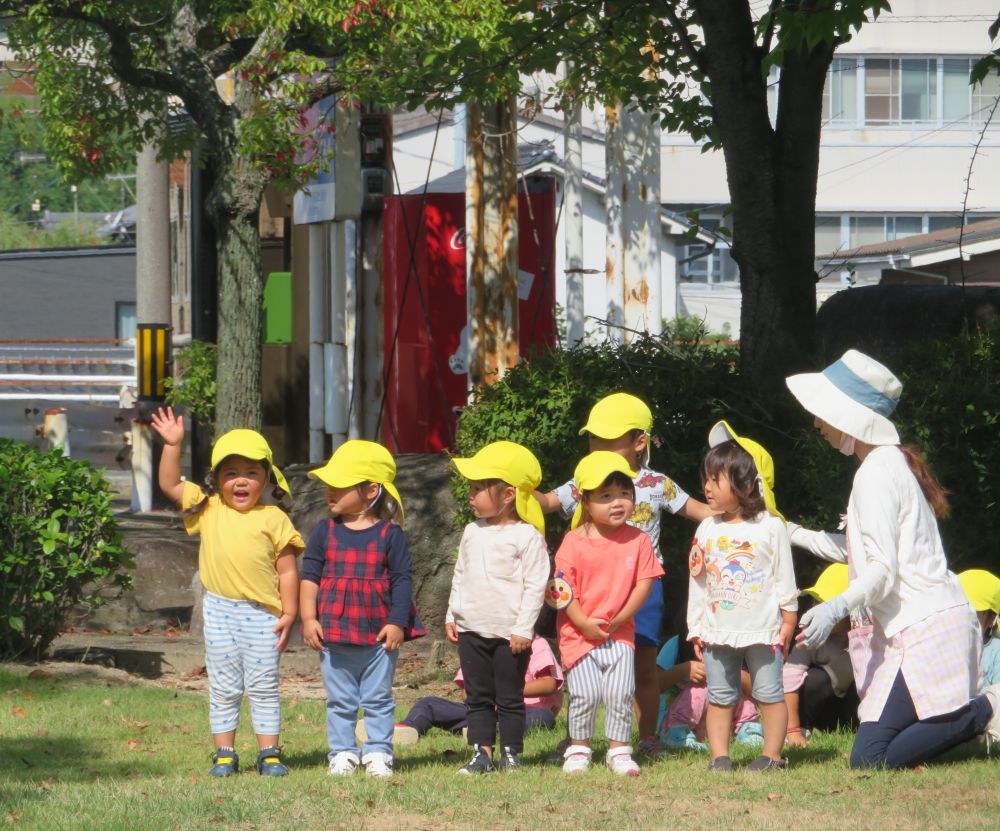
(225, 762)
(269, 762)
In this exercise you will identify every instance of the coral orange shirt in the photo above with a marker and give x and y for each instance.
(602, 572)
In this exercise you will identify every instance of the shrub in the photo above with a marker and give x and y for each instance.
(949, 409)
(59, 538)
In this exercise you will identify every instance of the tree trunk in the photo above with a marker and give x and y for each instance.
(772, 184)
(234, 204)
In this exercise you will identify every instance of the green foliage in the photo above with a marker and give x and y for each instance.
(59, 539)
(194, 386)
(950, 408)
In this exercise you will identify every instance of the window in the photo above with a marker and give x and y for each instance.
(716, 266)
(828, 237)
(867, 230)
(900, 90)
(840, 95)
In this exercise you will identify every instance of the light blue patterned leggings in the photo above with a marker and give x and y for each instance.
(241, 654)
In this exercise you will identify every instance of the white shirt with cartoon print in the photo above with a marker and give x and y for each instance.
(653, 492)
(741, 580)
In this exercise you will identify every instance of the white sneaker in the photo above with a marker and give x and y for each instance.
(576, 759)
(619, 760)
(377, 764)
(343, 764)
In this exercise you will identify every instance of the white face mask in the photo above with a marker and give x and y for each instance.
(847, 444)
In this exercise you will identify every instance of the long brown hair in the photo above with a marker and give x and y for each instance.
(933, 490)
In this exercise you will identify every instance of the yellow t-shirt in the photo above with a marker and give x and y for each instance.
(238, 550)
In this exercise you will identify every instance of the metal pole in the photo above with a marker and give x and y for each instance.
(573, 217)
(317, 337)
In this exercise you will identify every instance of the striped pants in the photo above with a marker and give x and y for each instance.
(606, 673)
(241, 654)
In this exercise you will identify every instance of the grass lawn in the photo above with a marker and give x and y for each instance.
(82, 755)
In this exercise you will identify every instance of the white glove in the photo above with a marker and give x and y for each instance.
(818, 622)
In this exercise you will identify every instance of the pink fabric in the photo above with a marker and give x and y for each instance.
(602, 572)
(542, 664)
(940, 661)
(690, 707)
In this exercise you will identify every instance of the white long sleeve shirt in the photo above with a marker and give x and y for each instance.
(741, 580)
(897, 562)
(499, 582)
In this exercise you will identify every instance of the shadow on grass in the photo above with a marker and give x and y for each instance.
(35, 759)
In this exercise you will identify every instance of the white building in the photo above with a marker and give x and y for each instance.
(901, 126)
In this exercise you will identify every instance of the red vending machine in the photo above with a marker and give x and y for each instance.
(425, 310)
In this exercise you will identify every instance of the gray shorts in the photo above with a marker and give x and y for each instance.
(722, 670)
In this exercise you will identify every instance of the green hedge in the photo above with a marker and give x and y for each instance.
(949, 408)
(58, 540)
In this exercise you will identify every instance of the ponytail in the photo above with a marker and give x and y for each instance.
(934, 492)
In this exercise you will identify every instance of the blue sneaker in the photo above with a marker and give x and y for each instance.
(269, 762)
(750, 734)
(225, 762)
(683, 738)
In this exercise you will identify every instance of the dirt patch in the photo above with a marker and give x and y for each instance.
(171, 658)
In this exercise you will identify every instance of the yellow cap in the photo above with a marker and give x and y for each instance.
(616, 414)
(831, 582)
(591, 472)
(358, 461)
(250, 445)
(982, 589)
(511, 463)
(722, 432)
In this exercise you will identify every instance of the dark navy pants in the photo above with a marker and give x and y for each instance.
(451, 715)
(900, 740)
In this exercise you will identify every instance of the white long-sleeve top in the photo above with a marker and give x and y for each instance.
(741, 579)
(499, 582)
(897, 562)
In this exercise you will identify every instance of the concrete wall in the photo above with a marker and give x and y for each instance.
(65, 294)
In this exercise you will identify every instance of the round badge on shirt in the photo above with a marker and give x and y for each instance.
(558, 593)
(696, 560)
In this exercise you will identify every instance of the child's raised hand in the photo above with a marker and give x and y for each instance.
(592, 631)
(391, 636)
(170, 427)
(519, 644)
(312, 634)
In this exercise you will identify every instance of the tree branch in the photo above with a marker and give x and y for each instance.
(688, 46)
(769, 31)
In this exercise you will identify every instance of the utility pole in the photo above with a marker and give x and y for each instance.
(491, 240)
(573, 213)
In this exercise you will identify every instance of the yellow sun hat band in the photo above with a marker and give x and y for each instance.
(982, 588)
(250, 445)
(358, 461)
(617, 414)
(591, 472)
(832, 582)
(511, 463)
(722, 432)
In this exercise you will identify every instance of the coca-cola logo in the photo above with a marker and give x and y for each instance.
(457, 241)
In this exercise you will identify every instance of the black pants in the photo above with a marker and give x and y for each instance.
(494, 688)
(819, 706)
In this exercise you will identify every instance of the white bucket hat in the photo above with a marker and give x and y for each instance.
(856, 395)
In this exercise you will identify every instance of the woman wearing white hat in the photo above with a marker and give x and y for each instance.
(920, 680)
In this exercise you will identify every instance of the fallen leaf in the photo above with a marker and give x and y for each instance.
(132, 744)
(39, 674)
(171, 633)
(219, 800)
(397, 782)
(772, 797)
(370, 803)
(17, 711)
(46, 784)
(142, 630)
(106, 702)
(13, 816)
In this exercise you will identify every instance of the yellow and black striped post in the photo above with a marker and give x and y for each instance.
(152, 360)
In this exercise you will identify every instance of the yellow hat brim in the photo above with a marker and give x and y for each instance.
(335, 477)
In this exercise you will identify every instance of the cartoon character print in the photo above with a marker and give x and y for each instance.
(649, 480)
(732, 579)
(642, 513)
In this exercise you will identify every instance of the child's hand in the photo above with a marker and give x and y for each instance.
(796, 739)
(283, 628)
(592, 631)
(450, 632)
(312, 634)
(696, 672)
(170, 428)
(787, 635)
(699, 648)
(519, 644)
(391, 636)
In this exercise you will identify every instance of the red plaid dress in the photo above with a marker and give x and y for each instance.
(354, 599)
